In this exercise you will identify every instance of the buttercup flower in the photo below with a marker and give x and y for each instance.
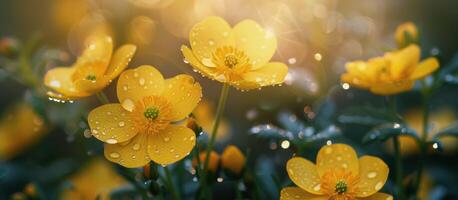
(438, 120)
(20, 128)
(233, 159)
(97, 179)
(393, 73)
(406, 34)
(141, 128)
(93, 70)
(213, 162)
(238, 56)
(338, 175)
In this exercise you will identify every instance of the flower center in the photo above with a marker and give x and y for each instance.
(90, 77)
(339, 184)
(231, 63)
(230, 60)
(341, 187)
(151, 113)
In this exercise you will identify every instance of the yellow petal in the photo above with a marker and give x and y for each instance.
(111, 123)
(378, 196)
(195, 63)
(337, 156)
(131, 154)
(270, 74)
(295, 193)
(184, 93)
(206, 36)
(99, 47)
(391, 88)
(259, 44)
(59, 79)
(354, 81)
(61, 97)
(304, 174)
(120, 60)
(134, 84)
(404, 61)
(92, 87)
(425, 68)
(373, 173)
(171, 144)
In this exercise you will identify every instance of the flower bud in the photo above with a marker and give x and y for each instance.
(9, 47)
(193, 125)
(30, 190)
(213, 161)
(233, 160)
(406, 34)
(150, 171)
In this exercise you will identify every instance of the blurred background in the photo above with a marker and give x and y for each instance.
(315, 39)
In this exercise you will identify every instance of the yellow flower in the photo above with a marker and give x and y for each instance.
(98, 178)
(406, 34)
(439, 120)
(233, 159)
(142, 127)
(20, 128)
(213, 161)
(205, 117)
(238, 56)
(93, 70)
(338, 174)
(393, 73)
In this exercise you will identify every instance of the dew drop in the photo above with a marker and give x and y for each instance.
(136, 147)
(166, 139)
(317, 187)
(87, 133)
(112, 141)
(371, 175)
(141, 81)
(121, 124)
(128, 104)
(114, 155)
(379, 186)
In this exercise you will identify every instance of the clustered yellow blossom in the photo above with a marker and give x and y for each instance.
(232, 159)
(238, 56)
(142, 126)
(390, 74)
(338, 175)
(92, 71)
(20, 128)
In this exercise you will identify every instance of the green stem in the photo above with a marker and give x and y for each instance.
(424, 137)
(391, 103)
(170, 184)
(219, 114)
(398, 163)
(237, 190)
(102, 98)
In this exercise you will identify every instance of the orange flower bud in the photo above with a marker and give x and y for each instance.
(30, 190)
(233, 159)
(213, 161)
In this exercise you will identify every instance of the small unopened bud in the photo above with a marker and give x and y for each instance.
(9, 47)
(406, 34)
(193, 125)
(233, 160)
(213, 161)
(31, 190)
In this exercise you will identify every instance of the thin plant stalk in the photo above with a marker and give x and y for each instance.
(219, 115)
(170, 184)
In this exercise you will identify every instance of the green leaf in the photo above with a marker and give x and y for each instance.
(386, 131)
(365, 115)
(451, 130)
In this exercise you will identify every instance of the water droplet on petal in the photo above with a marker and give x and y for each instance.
(371, 175)
(136, 147)
(379, 186)
(317, 187)
(112, 141)
(121, 124)
(114, 155)
(128, 104)
(166, 139)
(141, 81)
